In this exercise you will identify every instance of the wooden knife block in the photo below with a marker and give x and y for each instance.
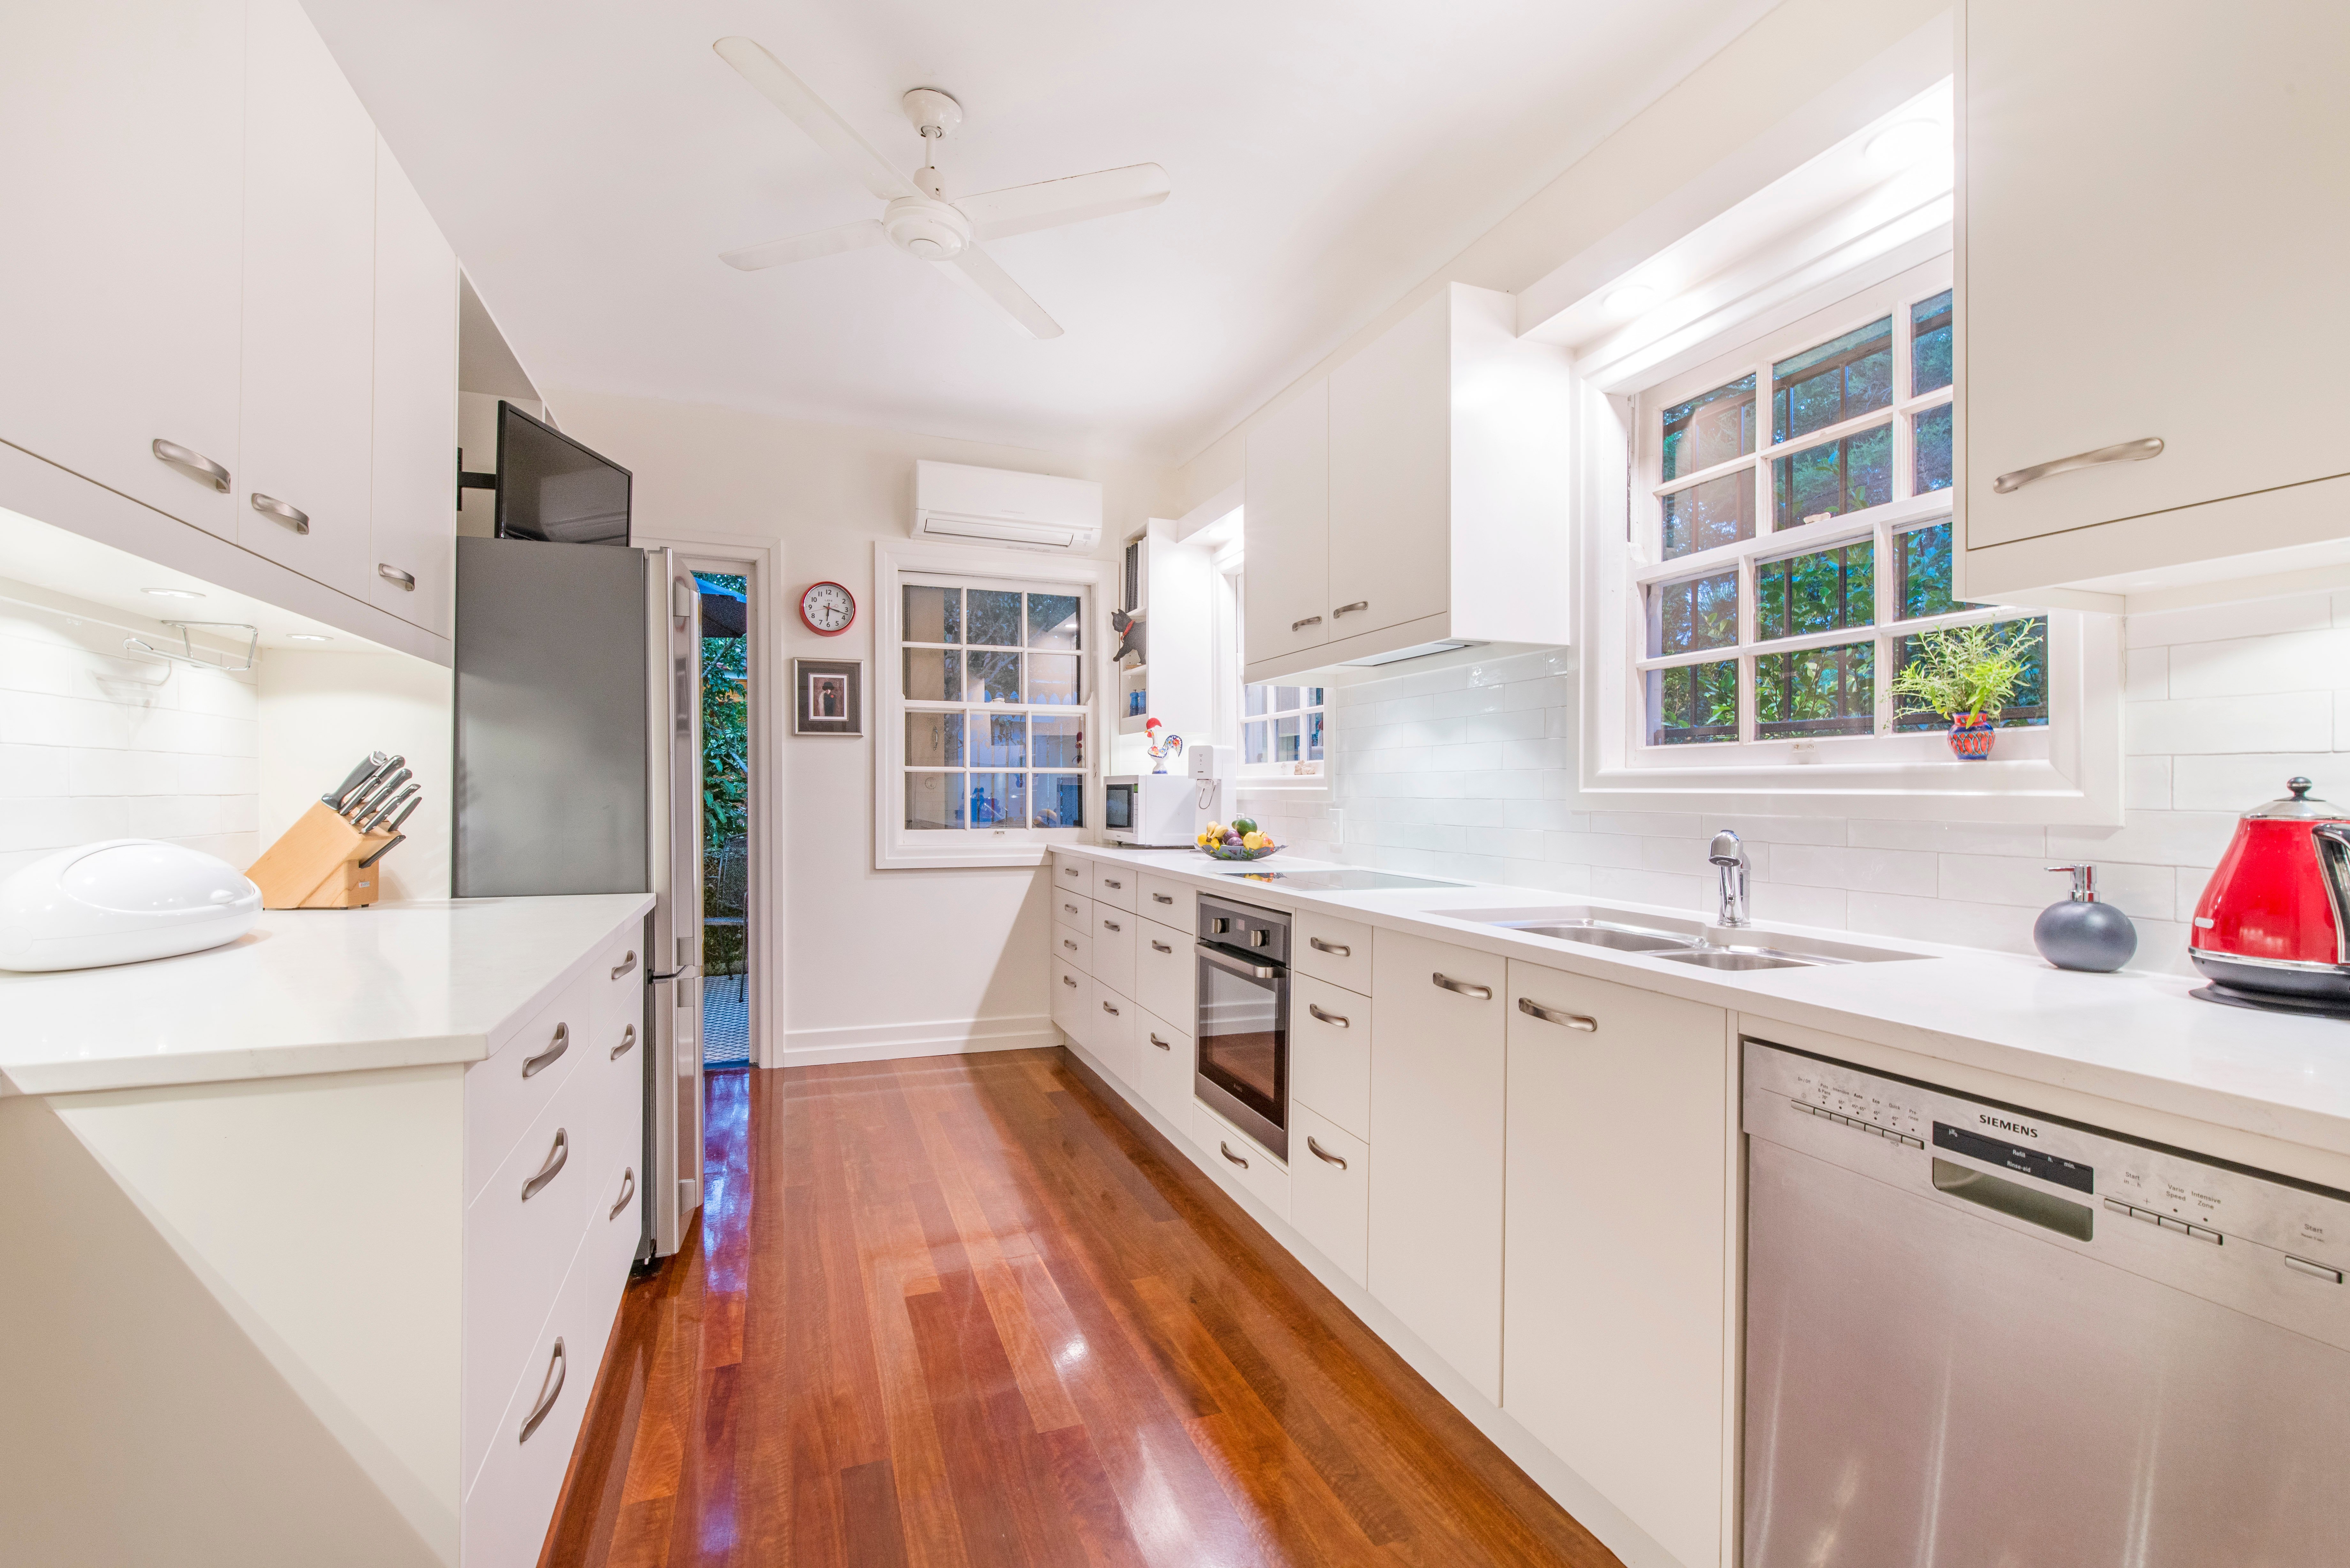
(315, 865)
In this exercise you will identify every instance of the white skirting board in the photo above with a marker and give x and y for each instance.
(941, 1037)
(1635, 1546)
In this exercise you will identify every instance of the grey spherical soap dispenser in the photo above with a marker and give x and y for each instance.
(2080, 932)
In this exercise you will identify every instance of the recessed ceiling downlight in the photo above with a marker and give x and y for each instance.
(173, 593)
(1906, 141)
(307, 637)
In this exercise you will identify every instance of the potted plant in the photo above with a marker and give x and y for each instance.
(1965, 674)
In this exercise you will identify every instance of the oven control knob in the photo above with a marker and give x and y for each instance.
(1258, 939)
(1218, 925)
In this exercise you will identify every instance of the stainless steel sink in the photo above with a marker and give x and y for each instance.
(1678, 940)
(1742, 959)
(1616, 936)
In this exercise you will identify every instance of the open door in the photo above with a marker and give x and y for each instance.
(675, 622)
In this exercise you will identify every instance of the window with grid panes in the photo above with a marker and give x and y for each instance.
(995, 729)
(1280, 729)
(1797, 536)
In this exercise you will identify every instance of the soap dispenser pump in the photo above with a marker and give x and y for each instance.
(2081, 933)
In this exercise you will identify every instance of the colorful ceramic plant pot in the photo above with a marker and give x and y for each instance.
(1970, 737)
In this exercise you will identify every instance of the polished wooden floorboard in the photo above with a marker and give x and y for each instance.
(958, 1313)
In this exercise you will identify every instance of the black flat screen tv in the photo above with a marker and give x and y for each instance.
(551, 488)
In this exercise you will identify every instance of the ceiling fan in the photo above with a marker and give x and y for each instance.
(919, 219)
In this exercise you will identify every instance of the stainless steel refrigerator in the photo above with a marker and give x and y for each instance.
(578, 753)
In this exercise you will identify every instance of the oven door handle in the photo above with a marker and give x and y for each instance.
(1224, 961)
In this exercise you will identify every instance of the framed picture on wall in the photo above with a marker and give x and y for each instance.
(828, 696)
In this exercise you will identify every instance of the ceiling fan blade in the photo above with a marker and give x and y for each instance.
(803, 247)
(1049, 204)
(815, 117)
(977, 270)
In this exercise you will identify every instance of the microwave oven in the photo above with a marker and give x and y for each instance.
(1151, 811)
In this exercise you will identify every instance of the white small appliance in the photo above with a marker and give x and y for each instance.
(1151, 811)
(121, 900)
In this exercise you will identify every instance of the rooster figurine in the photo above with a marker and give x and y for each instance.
(1162, 747)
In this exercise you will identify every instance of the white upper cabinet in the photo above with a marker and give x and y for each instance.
(411, 569)
(2151, 230)
(1287, 520)
(1443, 511)
(303, 493)
(122, 179)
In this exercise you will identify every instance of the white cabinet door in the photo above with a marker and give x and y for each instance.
(1111, 1033)
(121, 176)
(1112, 963)
(415, 510)
(2151, 245)
(1391, 476)
(1329, 1189)
(1072, 999)
(1285, 575)
(1166, 974)
(1618, 1234)
(1435, 1227)
(307, 422)
(1165, 1050)
(1330, 1051)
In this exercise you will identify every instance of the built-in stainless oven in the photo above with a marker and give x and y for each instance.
(1241, 1070)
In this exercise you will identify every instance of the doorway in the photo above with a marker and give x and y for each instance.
(726, 819)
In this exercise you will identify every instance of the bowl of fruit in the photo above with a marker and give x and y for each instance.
(1238, 840)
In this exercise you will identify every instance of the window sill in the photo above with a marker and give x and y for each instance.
(1280, 784)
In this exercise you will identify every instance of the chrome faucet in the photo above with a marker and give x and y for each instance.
(1728, 856)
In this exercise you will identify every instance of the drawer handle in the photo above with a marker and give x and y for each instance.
(1338, 950)
(1162, 898)
(1068, 944)
(1160, 1044)
(1071, 871)
(628, 1191)
(1069, 982)
(549, 1390)
(1159, 946)
(1533, 1008)
(628, 1043)
(1324, 1155)
(393, 575)
(1108, 1009)
(557, 1159)
(1072, 908)
(194, 461)
(1113, 925)
(1332, 1019)
(625, 965)
(1107, 883)
(293, 517)
(531, 1065)
(2007, 483)
(1349, 609)
(1482, 992)
(1225, 1148)
(1301, 626)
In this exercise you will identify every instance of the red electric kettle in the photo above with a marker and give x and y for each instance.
(2273, 923)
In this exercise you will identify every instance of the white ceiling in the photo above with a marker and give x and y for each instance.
(588, 158)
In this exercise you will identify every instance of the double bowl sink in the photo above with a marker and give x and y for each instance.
(1680, 942)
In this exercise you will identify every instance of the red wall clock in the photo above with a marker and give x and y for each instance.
(828, 609)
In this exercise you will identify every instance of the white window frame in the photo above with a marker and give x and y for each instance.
(2066, 771)
(1277, 770)
(1231, 692)
(896, 847)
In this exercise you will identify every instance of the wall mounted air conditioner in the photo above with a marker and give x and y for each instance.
(998, 506)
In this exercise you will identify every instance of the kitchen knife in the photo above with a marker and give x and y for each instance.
(350, 802)
(368, 819)
(397, 839)
(360, 774)
(372, 798)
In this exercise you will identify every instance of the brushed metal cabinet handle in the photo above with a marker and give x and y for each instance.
(1228, 1154)
(1339, 950)
(391, 574)
(628, 1043)
(625, 965)
(2015, 478)
(194, 461)
(1162, 898)
(1067, 981)
(292, 516)
(1113, 925)
(1159, 946)
(1533, 1008)
(1107, 883)
(532, 1065)
(1160, 1044)
(550, 1389)
(557, 1159)
(628, 1191)
(1302, 625)
(1482, 992)
(1324, 1155)
(1068, 944)
(1108, 1009)
(1072, 908)
(1349, 609)
(1071, 871)
(1332, 1019)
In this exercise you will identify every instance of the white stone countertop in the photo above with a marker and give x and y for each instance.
(307, 990)
(2134, 1038)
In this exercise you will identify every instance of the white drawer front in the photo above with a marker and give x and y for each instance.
(1237, 1161)
(1329, 1189)
(1073, 873)
(1114, 944)
(616, 988)
(1073, 910)
(1109, 1032)
(1073, 993)
(505, 1093)
(1072, 947)
(1330, 1051)
(1166, 974)
(512, 1499)
(615, 1222)
(1169, 903)
(1114, 885)
(1337, 950)
(1167, 1068)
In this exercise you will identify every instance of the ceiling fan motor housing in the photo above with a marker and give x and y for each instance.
(926, 228)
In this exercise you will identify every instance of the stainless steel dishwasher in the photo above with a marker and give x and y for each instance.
(1981, 1337)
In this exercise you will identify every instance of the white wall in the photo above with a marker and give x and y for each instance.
(874, 963)
(320, 713)
(1463, 773)
(95, 743)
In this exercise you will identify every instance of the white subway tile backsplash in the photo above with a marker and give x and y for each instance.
(2218, 623)
(2235, 785)
(2275, 721)
(2146, 675)
(2252, 666)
